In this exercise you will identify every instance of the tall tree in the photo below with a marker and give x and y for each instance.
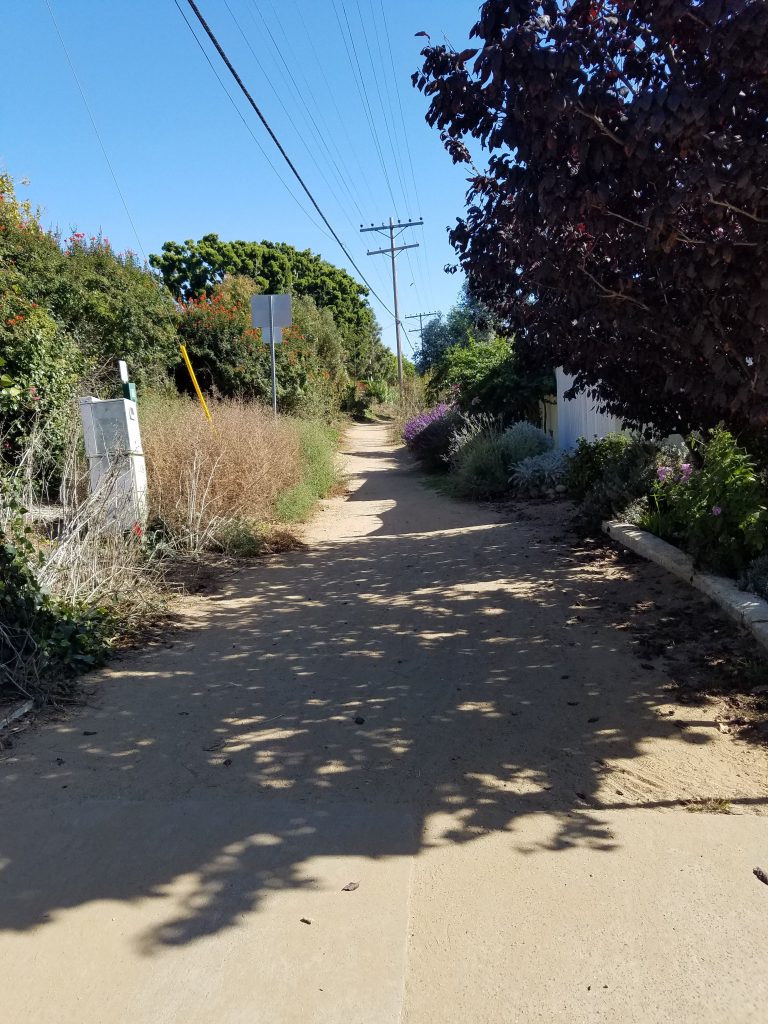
(621, 225)
(193, 269)
(468, 319)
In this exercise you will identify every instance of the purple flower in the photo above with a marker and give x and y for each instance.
(685, 472)
(716, 510)
(663, 472)
(415, 426)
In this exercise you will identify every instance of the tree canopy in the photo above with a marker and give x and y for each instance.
(621, 225)
(193, 269)
(69, 308)
(467, 319)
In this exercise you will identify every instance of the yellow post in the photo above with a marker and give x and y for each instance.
(194, 382)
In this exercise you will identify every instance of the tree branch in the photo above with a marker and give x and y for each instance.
(603, 128)
(736, 209)
(611, 294)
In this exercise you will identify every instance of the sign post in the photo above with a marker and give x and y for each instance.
(270, 314)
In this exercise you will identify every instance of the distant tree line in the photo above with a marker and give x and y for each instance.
(71, 306)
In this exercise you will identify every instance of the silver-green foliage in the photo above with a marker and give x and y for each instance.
(521, 441)
(485, 459)
(538, 473)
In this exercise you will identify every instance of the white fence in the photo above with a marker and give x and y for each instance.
(578, 417)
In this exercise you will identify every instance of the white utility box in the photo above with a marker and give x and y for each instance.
(116, 459)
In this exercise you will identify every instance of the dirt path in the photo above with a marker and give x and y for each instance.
(432, 701)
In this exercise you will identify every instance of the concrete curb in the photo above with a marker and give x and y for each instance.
(749, 611)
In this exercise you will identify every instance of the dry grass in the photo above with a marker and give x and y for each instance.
(399, 412)
(101, 583)
(84, 559)
(711, 805)
(205, 480)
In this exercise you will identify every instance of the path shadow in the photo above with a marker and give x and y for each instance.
(334, 701)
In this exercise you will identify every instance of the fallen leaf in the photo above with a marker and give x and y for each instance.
(350, 887)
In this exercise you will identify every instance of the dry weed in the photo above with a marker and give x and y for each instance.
(202, 477)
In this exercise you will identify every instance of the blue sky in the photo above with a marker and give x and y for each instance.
(184, 160)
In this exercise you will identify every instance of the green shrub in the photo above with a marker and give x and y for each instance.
(755, 577)
(539, 473)
(482, 458)
(240, 537)
(627, 473)
(717, 509)
(318, 444)
(521, 441)
(488, 375)
(44, 641)
(481, 470)
(468, 428)
(588, 461)
(360, 397)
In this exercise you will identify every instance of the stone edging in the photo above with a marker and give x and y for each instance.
(748, 610)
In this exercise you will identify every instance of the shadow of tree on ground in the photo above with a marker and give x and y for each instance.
(333, 700)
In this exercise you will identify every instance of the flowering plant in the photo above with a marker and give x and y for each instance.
(415, 426)
(717, 512)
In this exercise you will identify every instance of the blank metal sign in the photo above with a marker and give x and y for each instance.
(281, 311)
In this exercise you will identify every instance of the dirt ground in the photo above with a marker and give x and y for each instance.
(496, 729)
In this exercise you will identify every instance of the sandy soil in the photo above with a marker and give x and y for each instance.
(494, 728)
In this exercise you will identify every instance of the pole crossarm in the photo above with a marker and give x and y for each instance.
(388, 250)
(401, 224)
(421, 317)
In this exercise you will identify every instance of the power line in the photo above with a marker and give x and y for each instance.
(421, 317)
(391, 134)
(298, 76)
(269, 83)
(248, 128)
(363, 92)
(351, 148)
(370, 115)
(262, 118)
(423, 252)
(392, 146)
(289, 78)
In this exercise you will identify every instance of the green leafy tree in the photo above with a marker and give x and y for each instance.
(194, 269)
(490, 376)
(115, 309)
(230, 358)
(67, 313)
(467, 319)
(40, 357)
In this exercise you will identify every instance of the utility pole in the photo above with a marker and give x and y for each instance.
(421, 317)
(392, 250)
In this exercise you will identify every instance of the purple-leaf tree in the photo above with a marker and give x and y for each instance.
(620, 227)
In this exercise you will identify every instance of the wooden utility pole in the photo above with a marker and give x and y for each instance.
(421, 317)
(394, 230)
